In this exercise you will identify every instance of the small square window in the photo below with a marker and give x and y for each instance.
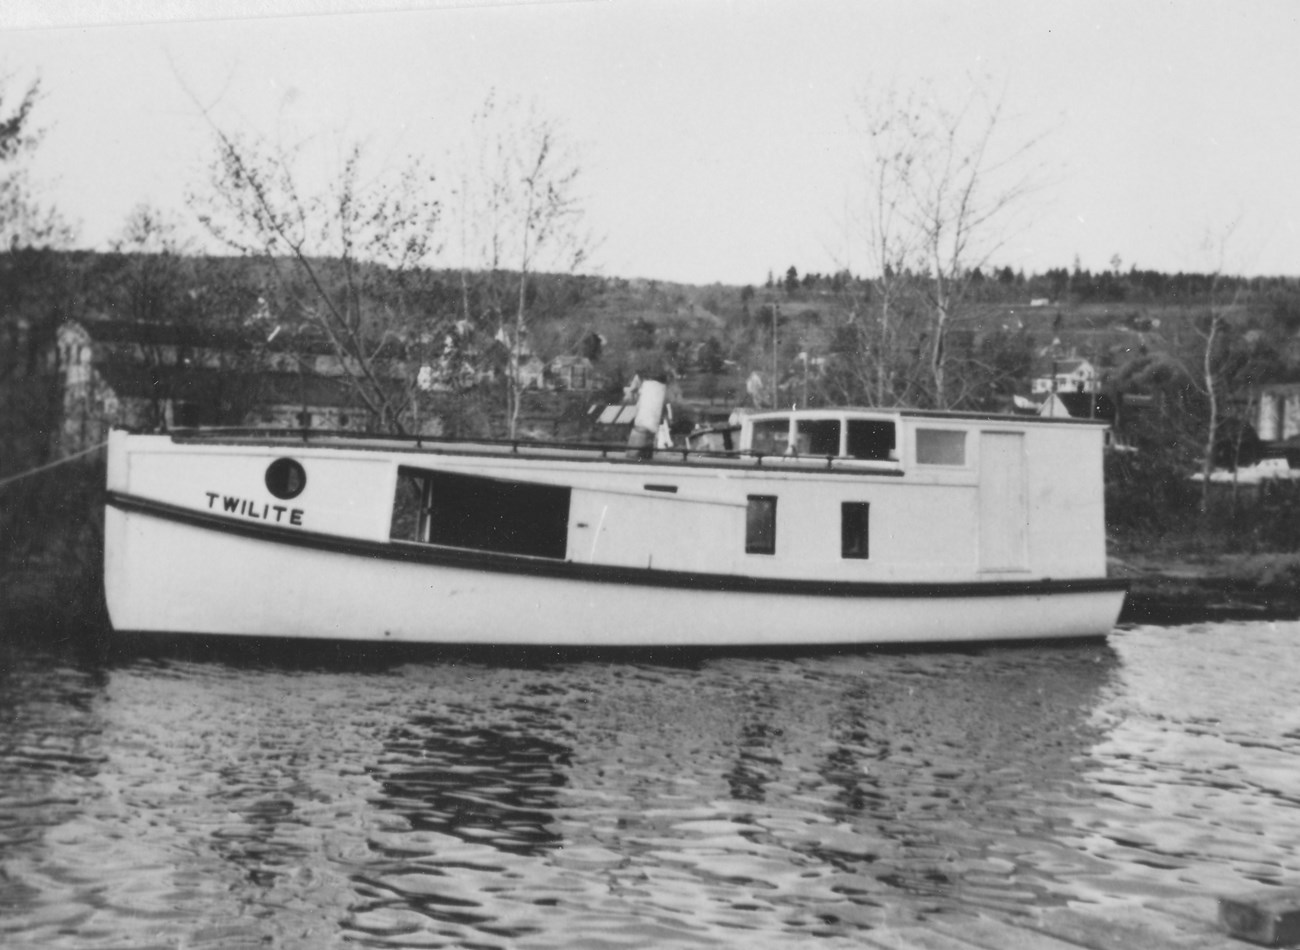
(940, 447)
(760, 525)
(854, 525)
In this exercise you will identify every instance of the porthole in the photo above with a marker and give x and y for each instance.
(285, 479)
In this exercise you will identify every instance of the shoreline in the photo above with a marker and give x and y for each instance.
(1167, 591)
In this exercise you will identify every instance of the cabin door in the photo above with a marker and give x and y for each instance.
(1004, 503)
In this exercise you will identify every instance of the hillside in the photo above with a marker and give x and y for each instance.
(823, 335)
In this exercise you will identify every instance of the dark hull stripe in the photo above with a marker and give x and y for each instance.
(437, 556)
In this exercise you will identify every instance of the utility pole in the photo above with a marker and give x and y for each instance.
(776, 393)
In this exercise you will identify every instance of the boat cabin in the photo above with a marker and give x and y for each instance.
(842, 494)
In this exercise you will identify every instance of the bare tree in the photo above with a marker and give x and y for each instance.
(1210, 379)
(520, 210)
(344, 254)
(147, 285)
(33, 277)
(152, 247)
(943, 189)
(24, 221)
(885, 128)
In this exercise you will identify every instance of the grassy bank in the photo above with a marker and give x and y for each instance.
(52, 550)
(1189, 555)
(1167, 588)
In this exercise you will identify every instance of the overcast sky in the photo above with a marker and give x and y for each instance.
(715, 135)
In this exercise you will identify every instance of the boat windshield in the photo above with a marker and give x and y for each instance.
(817, 436)
(872, 440)
(771, 436)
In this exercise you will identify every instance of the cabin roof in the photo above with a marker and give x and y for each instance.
(906, 413)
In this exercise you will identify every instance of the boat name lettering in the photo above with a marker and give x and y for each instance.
(252, 509)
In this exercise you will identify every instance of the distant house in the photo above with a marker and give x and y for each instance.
(527, 368)
(530, 372)
(151, 375)
(1068, 376)
(574, 373)
(1278, 416)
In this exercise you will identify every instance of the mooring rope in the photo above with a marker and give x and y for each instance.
(49, 465)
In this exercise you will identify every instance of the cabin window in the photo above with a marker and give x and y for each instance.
(854, 524)
(760, 525)
(940, 447)
(818, 436)
(871, 439)
(771, 436)
(484, 514)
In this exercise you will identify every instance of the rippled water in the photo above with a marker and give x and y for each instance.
(237, 801)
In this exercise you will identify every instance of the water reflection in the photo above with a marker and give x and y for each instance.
(478, 783)
(455, 801)
(953, 774)
(1196, 772)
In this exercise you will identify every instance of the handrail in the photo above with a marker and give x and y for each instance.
(523, 447)
(312, 434)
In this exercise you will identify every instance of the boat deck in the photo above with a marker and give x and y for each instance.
(1165, 924)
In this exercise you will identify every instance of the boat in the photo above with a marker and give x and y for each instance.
(806, 527)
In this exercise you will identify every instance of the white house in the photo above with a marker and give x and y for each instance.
(1278, 416)
(1068, 376)
(572, 373)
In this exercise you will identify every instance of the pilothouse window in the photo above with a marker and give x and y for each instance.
(484, 514)
(771, 436)
(871, 439)
(818, 437)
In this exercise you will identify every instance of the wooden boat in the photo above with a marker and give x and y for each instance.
(809, 527)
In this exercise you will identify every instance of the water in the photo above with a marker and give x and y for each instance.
(449, 801)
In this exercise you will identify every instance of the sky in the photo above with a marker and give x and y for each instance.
(717, 137)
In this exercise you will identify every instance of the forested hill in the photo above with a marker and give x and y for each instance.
(819, 333)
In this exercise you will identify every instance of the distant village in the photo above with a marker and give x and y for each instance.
(722, 349)
(145, 375)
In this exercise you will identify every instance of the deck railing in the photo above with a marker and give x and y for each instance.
(532, 448)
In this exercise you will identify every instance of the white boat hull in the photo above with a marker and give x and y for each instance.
(180, 575)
